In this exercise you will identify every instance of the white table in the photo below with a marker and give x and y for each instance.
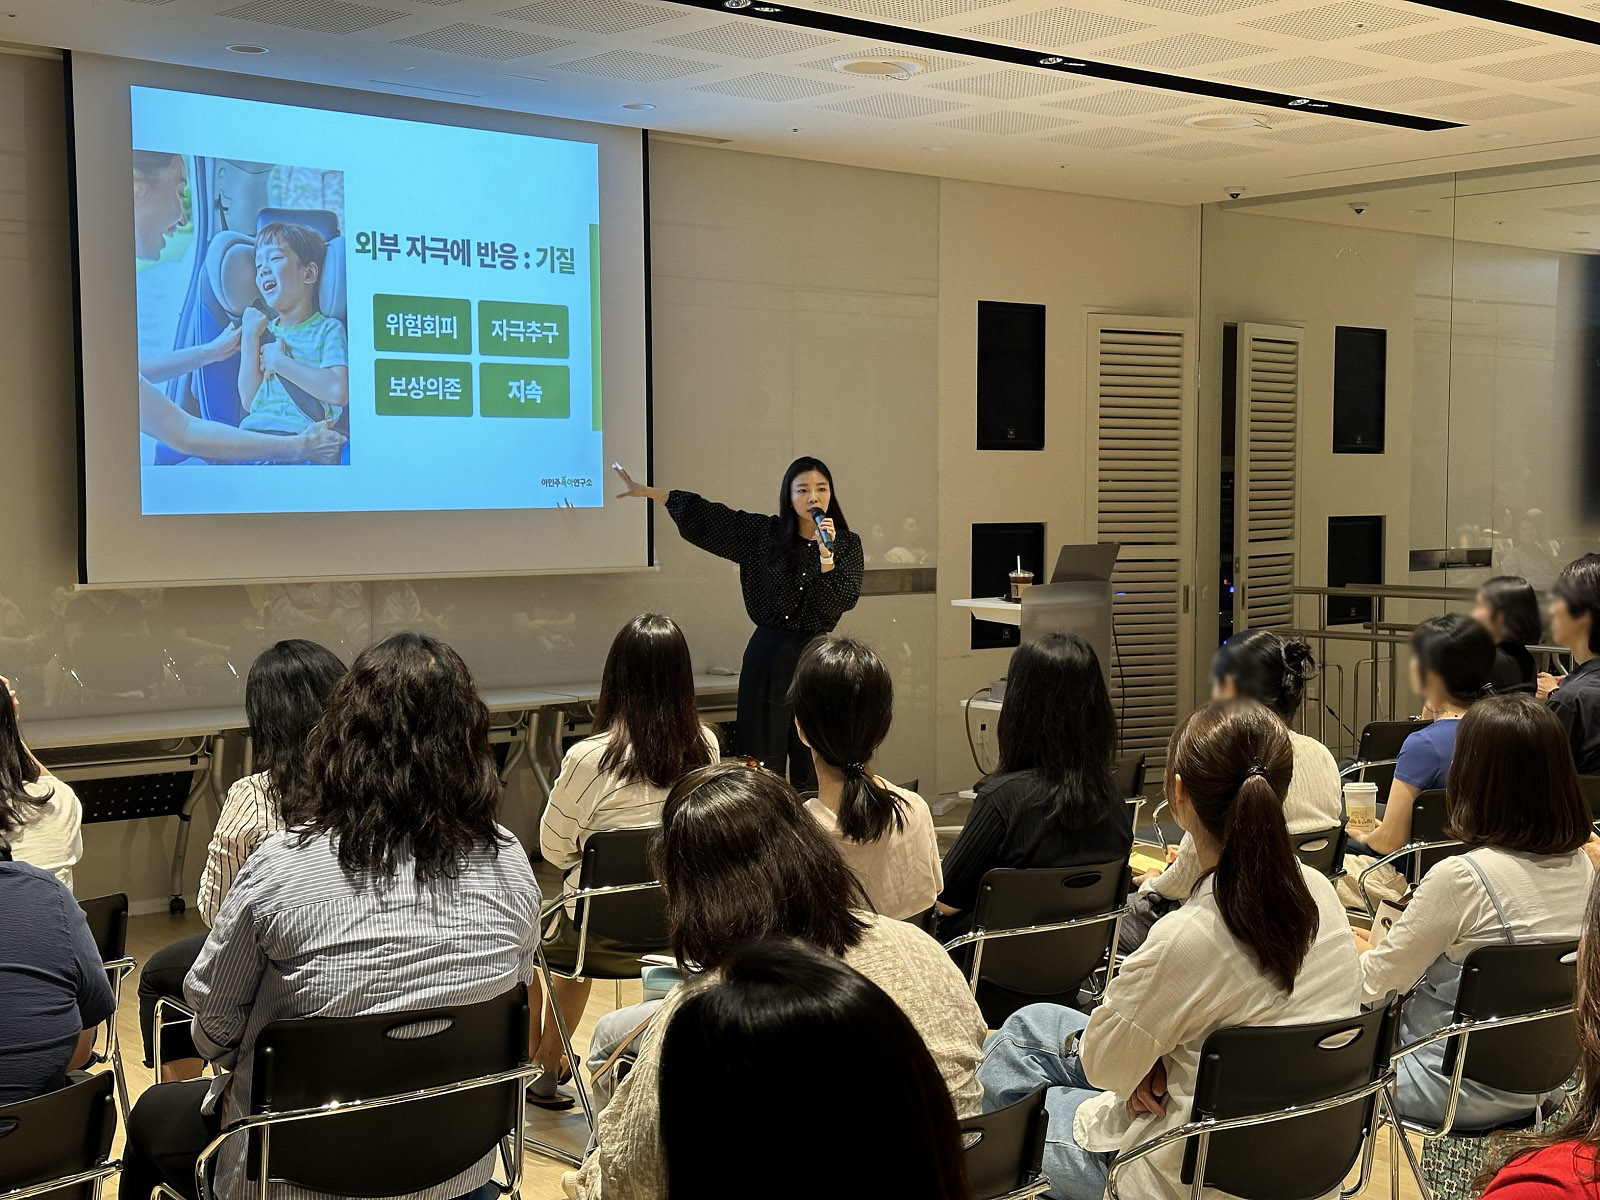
(991, 608)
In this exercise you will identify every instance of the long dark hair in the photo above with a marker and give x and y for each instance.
(843, 699)
(647, 704)
(740, 859)
(1584, 1125)
(17, 770)
(1057, 722)
(284, 694)
(1513, 600)
(1266, 667)
(1459, 651)
(1512, 780)
(1235, 761)
(788, 541)
(757, 1031)
(400, 763)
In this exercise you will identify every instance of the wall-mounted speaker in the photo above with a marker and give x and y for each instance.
(1010, 376)
(1360, 381)
(1355, 555)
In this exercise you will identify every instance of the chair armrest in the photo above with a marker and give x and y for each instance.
(1022, 930)
(551, 907)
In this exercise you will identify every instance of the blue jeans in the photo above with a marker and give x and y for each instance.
(1029, 1049)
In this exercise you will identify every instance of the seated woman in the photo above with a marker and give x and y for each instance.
(393, 889)
(1508, 608)
(283, 698)
(1053, 801)
(1262, 941)
(1563, 1164)
(843, 701)
(47, 815)
(740, 860)
(647, 734)
(756, 1029)
(1255, 664)
(1513, 795)
(1452, 658)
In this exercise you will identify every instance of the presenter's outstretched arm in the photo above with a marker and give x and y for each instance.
(630, 488)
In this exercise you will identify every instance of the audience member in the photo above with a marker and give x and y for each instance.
(843, 701)
(1262, 941)
(1508, 608)
(1452, 658)
(393, 889)
(740, 860)
(756, 1029)
(1053, 801)
(283, 698)
(1255, 664)
(1563, 1164)
(1513, 796)
(1574, 623)
(647, 734)
(53, 989)
(48, 815)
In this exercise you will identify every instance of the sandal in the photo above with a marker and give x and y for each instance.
(558, 1101)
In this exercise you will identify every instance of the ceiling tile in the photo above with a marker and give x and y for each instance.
(1298, 74)
(893, 106)
(1329, 22)
(1125, 102)
(1496, 106)
(1057, 27)
(637, 66)
(1110, 137)
(1450, 45)
(1323, 132)
(1011, 85)
(748, 39)
(909, 12)
(318, 16)
(1401, 91)
(1204, 151)
(1544, 67)
(772, 87)
(593, 16)
(1006, 122)
(483, 41)
(936, 62)
(1186, 50)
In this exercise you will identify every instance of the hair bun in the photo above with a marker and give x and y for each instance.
(1298, 658)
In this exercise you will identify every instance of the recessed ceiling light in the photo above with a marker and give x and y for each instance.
(1582, 232)
(247, 48)
(1216, 121)
(1498, 136)
(880, 68)
(1050, 60)
(638, 107)
(766, 8)
(1418, 211)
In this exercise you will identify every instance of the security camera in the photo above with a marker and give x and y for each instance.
(1358, 207)
(1234, 192)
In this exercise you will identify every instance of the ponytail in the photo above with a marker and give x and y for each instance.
(1236, 762)
(867, 808)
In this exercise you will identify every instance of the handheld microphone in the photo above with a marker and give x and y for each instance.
(817, 516)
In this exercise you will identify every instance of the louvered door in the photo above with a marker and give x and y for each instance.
(1266, 469)
(1141, 414)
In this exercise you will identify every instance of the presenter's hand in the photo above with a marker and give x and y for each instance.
(273, 356)
(632, 488)
(825, 524)
(225, 344)
(319, 444)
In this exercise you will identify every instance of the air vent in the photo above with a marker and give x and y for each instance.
(592, 16)
(748, 39)
(1109, 138)
(1011, 85)
(1124, 103)
(773, 88)
(1330, 22)
(1452, 45)
(1544, 67)
(1298, 74)
(893, 106)
(1490, 107)
(1055, 27)
(909, 12)
(318, 16)
(1005, 123)
(635, 66)
(1186, 50)
(1321, 134)
(1402, 91)
(482, 41)
(1204, 151)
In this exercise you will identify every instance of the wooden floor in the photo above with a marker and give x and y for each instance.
(542, 1176)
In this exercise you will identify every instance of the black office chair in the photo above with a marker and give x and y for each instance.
(58, 1145)
(108, 925)
(332, 1098)
(1512, 1031)
(618, 899)
(1038, 935)
(1428, 844)
(1005, 1148)
(1590, 784)
(1324, 1077)
(1321, 851)
(1376, 752)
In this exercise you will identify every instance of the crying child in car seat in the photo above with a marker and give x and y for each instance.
(307, 352)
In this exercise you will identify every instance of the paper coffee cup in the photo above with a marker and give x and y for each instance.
(1361, 807)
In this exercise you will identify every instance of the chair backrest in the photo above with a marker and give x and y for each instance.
(1040, 967)
(1255, 1071)
(1004, 1148)
(57, 1135)
(1321, 851)
(1130, 771)
(1505, 981)
(632, 920)
(1428, 825)
(108, 923)
(308, 1063)
(1380, 742)
(1590, 784)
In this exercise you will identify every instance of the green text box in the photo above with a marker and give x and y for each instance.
(422, 324)
(508, 329)
(524, 390)
(422, 388)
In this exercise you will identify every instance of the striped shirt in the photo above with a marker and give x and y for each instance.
(249, 817)
(297, 936)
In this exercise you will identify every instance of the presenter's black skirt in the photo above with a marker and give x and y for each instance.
(766, 722)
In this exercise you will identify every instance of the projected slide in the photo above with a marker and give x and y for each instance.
(381, 314)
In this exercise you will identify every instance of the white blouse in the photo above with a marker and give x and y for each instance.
(900, 871)
(52, 840)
